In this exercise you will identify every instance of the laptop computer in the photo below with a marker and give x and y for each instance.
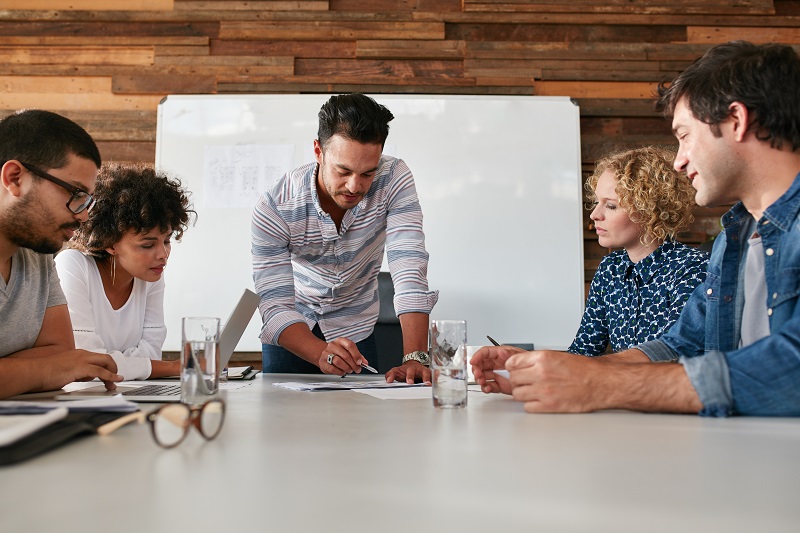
(171, 392)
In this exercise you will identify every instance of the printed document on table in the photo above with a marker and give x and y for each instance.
(409, 394)
(344, 385)
(15, 427)
(108, 404)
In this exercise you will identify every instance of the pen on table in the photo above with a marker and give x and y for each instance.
(493, 341)
(366, 367)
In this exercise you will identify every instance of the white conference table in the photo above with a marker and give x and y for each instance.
(345, 461)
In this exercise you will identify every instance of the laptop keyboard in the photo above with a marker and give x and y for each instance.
(154, 390)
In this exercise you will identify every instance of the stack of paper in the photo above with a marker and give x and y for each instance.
(345, 385)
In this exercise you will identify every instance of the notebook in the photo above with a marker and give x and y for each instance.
(171, 392)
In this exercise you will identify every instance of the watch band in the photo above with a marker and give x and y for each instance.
(418, 356)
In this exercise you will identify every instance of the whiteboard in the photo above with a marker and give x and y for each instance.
(498, 178)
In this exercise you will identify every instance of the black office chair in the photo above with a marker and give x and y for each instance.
(388, 335)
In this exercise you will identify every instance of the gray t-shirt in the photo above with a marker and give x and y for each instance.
(32, 287)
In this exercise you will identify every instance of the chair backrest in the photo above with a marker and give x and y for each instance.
(388, 334)
(387, 314)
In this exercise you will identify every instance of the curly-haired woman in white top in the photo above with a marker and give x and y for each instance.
(112, 273)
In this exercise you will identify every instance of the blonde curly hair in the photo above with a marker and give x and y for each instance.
(649, 189)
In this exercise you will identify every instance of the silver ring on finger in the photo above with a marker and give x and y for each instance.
(330, 358)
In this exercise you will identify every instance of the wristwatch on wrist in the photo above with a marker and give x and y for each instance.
(420, 357)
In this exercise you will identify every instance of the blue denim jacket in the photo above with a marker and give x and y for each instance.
(761, 379)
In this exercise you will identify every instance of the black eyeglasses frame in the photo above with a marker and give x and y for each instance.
(86, 199)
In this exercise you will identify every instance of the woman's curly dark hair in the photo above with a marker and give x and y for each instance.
(132, 197)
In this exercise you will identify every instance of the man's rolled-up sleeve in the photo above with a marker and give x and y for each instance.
(711, 380)
(405, 245)
(272, 271)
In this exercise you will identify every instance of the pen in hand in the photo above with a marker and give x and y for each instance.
(366, 367)
(500, 371)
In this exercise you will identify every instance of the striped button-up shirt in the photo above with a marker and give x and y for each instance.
(306, 271)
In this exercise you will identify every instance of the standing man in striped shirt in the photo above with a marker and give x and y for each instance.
(318, 238)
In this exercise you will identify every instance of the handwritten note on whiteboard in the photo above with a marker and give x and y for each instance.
(236, 175)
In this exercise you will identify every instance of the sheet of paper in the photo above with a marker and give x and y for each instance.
(344, 385)
(14, 427)
(114, 404)
(415, 393)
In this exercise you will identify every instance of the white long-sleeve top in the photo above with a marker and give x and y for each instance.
(132, 335)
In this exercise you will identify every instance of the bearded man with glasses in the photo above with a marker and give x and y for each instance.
(48, 167)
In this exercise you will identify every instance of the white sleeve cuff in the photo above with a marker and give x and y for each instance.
(132, 368)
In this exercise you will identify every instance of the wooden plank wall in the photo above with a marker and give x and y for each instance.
(107, 63)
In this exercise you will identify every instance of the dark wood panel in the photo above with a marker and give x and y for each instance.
(127, 151)
(105, 29)
(110, 67)
(436, 6)
(381, 86)
(318, 49)
(416, 48)
(163, 84)
(396, 69)
(516, 49)
(256, 5)
(336, 31)
(565, 33)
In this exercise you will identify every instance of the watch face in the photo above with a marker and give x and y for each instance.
(424, 358)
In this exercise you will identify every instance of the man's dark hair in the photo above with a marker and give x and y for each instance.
(765, 78)
(132, 197)
(44, 139)
(355, 116)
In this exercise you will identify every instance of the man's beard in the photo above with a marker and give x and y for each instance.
(18, 228)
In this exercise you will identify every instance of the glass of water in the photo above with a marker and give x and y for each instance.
(448, 351)
(200, 360)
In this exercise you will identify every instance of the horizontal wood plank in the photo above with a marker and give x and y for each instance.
(390, 69)
(8, 27)
(114, 125)
(596, 89)
(99, 40)
(255, 5)
(231, 62)
(713, 35)
(177, 50)
(89, 5)
(55, 84)
(127, 151)
(557, 50)
(331, 30)
(678, 8)
(318, 49)
(566, 33)
(610, 17)
(437, 6)
(380, 86)
(164, 83)
(77, 101)
(77, 55)
(403, 49)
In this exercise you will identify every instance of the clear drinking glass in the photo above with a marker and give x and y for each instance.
(200, 360)
(448, 351)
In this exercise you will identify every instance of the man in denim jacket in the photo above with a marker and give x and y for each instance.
(736, 114)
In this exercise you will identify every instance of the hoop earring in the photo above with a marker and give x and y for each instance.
(113, 270)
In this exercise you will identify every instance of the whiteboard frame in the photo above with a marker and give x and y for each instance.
(499, 181)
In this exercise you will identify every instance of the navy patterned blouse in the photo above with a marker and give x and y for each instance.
(631, 303)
